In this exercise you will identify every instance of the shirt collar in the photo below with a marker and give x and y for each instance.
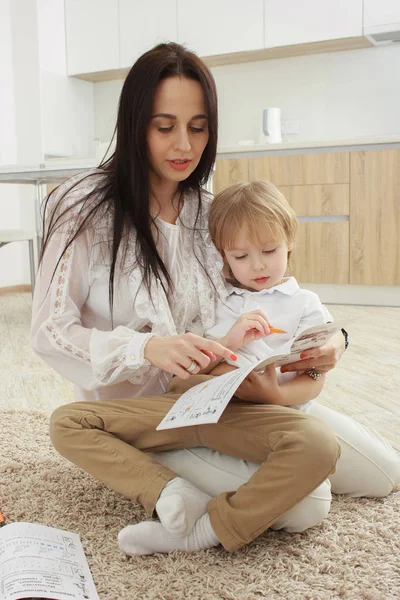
(289, 286)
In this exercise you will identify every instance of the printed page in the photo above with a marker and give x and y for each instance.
(205, 403)
(42, 562)
(313, 337)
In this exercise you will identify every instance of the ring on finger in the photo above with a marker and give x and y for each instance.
(314, 374)
(193, 365)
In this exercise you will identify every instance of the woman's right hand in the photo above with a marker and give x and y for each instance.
(175, 353)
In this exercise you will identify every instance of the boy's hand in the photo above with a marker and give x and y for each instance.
(249, 327)
(261, 388)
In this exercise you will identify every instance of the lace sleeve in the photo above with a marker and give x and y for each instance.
(88, 357)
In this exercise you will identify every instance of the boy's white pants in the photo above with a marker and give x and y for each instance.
(368, 466)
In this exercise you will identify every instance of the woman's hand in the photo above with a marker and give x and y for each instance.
(323, 359)
(248, 327)
(261, 388)
(176, 353)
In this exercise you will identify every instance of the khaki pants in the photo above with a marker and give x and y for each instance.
(109, 440)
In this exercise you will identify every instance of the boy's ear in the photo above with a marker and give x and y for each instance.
(290, 247)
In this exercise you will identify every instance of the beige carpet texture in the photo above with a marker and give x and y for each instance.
(353, 555)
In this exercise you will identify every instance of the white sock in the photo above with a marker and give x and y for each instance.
(180, 505)
(150, 537)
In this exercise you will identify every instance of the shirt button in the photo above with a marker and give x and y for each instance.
(133, 357)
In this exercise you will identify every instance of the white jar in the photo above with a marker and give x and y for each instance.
(272, 125)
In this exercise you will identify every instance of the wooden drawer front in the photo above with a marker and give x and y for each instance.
(318, 200)
(50, 187)
(301, 169)
(321, 253)
(375, 217)
(228, 171)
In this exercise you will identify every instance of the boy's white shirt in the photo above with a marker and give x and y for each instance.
(286, 306)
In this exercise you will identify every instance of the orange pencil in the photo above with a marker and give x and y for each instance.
(275, 330)
(2, 520)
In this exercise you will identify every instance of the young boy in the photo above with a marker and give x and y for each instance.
(253, 227)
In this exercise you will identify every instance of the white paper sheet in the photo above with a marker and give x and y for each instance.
(205, 403)
(42, 562)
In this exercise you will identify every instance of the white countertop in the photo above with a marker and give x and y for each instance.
(51, 171)
(55, 170)
(299, 145)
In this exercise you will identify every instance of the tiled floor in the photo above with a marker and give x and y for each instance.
(366, 383)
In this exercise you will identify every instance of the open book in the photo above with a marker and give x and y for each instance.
(37, 561)
(205, 403)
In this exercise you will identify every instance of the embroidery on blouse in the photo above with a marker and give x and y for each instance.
(64, 271)
(62, 276)
(194, 299)
(192, 307)
(59, 342)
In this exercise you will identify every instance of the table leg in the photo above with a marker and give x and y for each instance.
(38, 219)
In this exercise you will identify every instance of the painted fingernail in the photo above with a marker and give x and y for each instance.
(233, 357)
(303, 355)
(284, 370)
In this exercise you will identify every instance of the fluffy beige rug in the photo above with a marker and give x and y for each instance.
(353, 555)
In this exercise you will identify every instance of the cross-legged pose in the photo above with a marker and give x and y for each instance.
(128, 283)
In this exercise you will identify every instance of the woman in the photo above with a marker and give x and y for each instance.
(126, 288)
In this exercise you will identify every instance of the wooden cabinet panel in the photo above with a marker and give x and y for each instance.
(301, 169)
(363, 250)
(321, 253)
(228, 171)
(375, 217)
(318, 200)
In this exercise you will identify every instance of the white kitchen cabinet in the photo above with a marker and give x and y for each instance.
(212, 27)
(91, 35)
(289, 22)
(142, 25)
(381, 13)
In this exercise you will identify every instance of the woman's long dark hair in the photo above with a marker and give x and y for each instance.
(124, 191)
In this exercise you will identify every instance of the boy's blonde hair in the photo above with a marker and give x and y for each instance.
(257, 206)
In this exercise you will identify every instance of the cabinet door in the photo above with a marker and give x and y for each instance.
(381, 12)
(209, 27)
(321, 253)
(301, 169)
(375, 217)
(318, 200)
(229, 171)
(91, 35)
(289, 22)
(143, 25)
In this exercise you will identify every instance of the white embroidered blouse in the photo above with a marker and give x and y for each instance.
(71, 322)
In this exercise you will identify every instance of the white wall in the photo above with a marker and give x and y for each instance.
(43, 113)
(335, 95)
(8, 141)
(20, 140)
(67, 103)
